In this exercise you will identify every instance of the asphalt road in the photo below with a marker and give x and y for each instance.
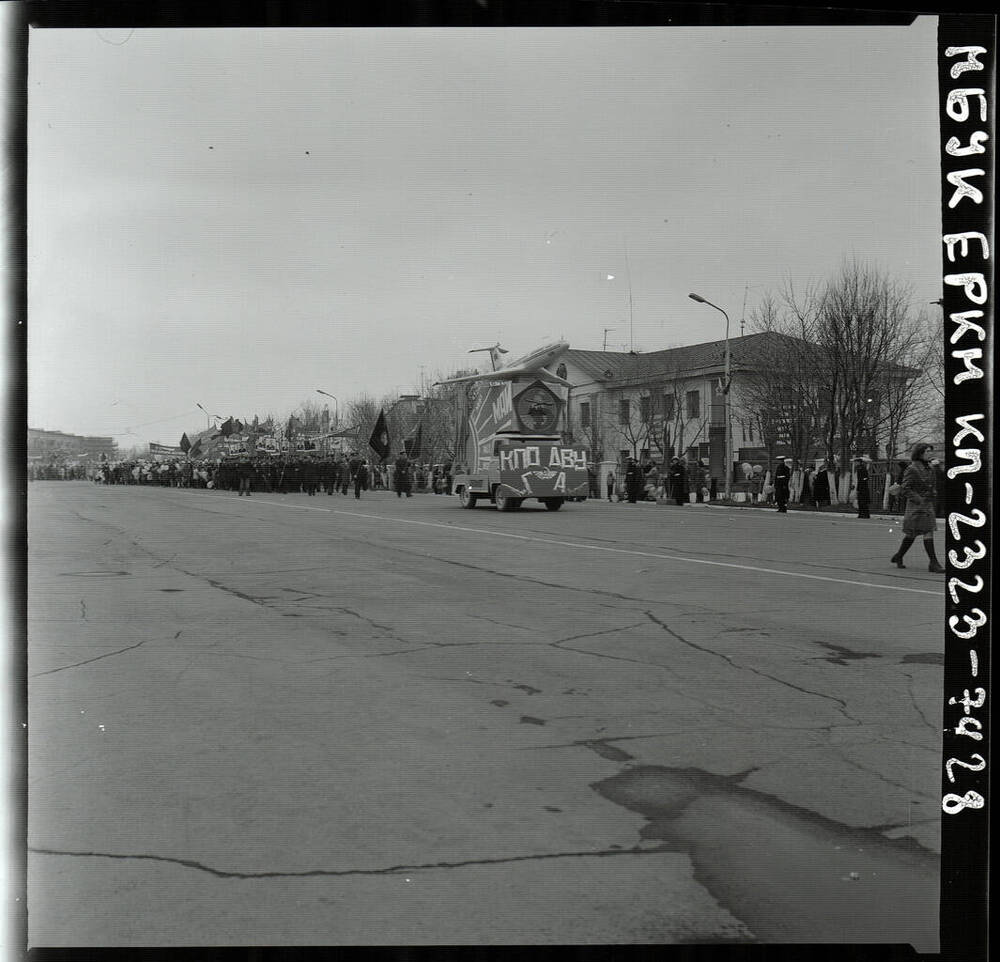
(315, 720)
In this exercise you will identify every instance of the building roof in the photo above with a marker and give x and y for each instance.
(747, 353)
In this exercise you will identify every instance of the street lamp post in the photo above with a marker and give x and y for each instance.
(336, 410)
(208, 416)
(336, 416)
(725, 396)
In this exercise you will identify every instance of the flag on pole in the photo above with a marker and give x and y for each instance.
(195, 451)
(379, 440)
(185, 443)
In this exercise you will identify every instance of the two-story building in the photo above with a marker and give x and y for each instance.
(661, 404)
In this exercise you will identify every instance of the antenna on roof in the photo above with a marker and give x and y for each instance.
(628, 278)
(743, 313)
(606, 336)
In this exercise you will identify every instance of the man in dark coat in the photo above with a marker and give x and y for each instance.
(862, 485)
(360, 478)
(678, 481)
(821, 485)
(782, 479)
(919, 491)
(245, 471)
(401, 477)
(633, 480)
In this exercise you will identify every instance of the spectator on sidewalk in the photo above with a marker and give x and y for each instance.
(678, 481)
(862, 485)
(633, 480)
(782, 478)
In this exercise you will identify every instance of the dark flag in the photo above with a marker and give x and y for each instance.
(238, 427)
(379, 440)
(195, 451)
(185, 443)
(225, 429)
(417, 443)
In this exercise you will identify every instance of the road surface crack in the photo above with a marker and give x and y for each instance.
(763, 674)
(562, 646)
(78, 664)
(336, 873)
(916, 705)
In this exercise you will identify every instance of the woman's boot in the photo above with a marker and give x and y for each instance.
(897, 558)
(933, 567)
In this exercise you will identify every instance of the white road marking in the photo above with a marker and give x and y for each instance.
(628, 551)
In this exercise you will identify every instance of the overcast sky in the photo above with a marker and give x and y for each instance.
(240, 217)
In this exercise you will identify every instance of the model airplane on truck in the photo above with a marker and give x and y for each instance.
(515, 446)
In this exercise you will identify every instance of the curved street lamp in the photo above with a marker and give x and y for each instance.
(218, 417)
(725, 396)
(336, 410)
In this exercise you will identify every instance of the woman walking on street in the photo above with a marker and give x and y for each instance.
(919, 491)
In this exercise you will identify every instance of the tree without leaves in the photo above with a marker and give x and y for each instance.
(851, 370)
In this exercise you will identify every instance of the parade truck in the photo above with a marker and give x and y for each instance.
(514, 442)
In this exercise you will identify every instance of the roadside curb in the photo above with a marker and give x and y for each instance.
(770, 509)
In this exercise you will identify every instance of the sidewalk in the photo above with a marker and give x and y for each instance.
(849, 515)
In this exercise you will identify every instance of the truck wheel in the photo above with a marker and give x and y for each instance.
(465, 499)
(505, 503)
(552, 504)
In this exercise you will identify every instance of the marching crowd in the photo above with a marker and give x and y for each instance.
(308, 475)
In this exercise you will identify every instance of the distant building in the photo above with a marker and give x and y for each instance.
(57, 444)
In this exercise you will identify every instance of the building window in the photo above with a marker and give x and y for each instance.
(693, 404)
(585, 414)
(624, 412)
(668, 407)
(645, 408)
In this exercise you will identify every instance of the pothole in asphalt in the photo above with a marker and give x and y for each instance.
(607, 751)
(170, 590)
(789, 874)
(841, 656)
(529, 720)
(923, 658)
